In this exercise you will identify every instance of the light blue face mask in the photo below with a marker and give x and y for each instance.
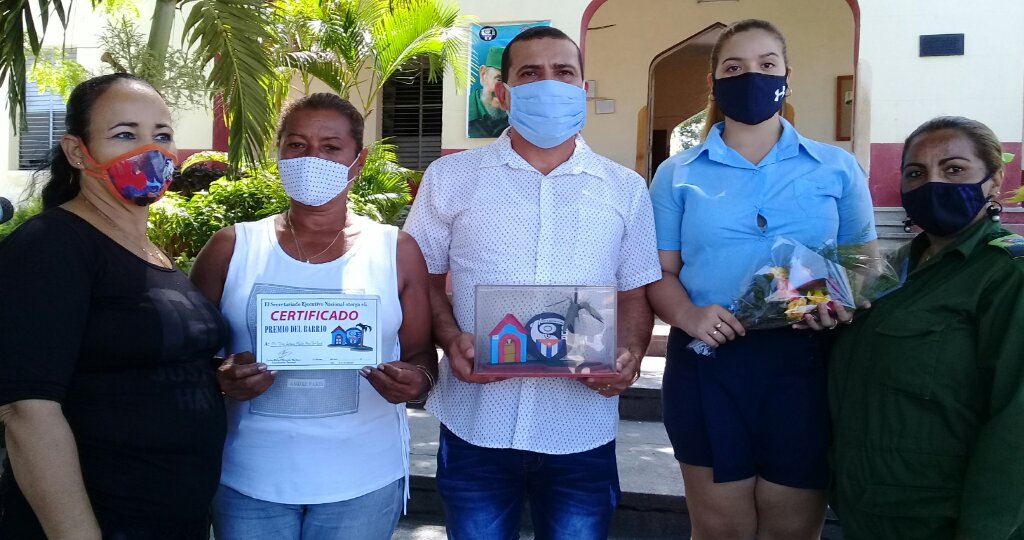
(547, 113)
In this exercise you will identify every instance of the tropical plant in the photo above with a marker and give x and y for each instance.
(181, 225)
(249, 49)
(125, 50)
(54, 72)
(383, 190)
(232, 31)
(687, 134)
(361, 44)
(31, 207)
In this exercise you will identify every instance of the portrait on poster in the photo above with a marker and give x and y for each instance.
(485, 117)
(317, 331)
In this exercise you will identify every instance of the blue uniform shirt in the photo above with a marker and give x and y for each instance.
(706, 201)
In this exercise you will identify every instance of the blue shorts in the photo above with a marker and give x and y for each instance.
(758, 407)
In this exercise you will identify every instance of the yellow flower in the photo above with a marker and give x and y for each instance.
(818, 297)
(796, 308)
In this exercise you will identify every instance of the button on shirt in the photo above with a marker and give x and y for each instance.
(707, 200)
(489, 217)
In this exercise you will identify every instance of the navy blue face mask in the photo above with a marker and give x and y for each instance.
(942, 209)
(750, 98)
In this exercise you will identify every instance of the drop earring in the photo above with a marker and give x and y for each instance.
(993, 211)
(908, 225)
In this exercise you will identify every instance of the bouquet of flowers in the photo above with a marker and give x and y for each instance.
(798, 279)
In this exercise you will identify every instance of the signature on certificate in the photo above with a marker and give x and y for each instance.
(285, 353)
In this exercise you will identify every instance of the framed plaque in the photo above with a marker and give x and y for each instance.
(545, 331)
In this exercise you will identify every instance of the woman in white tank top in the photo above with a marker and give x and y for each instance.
(313, 452)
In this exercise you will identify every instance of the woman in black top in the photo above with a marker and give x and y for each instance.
(113, 419)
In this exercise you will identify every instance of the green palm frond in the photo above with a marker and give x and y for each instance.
(232, 36)
(18, 24)
(325, 66)
(350, 44)
(428, 29)
(382, 192)
(346, 34)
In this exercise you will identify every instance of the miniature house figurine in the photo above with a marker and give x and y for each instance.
(508, 341)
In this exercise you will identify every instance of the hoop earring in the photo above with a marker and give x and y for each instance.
(789, 90)
(908, 225)
(993, 211)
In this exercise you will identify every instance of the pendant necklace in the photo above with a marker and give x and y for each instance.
(288, 221)
(158, 255)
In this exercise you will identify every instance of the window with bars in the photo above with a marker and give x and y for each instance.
(45, 114)
(411, 117)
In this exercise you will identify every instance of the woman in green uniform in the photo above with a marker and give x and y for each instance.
(927, 387)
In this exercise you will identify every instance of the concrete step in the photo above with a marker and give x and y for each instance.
(642, 401)
(426, 528)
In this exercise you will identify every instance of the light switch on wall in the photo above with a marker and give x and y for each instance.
(604, 106)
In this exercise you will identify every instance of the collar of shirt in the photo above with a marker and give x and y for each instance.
(788, 146)
(968, 241)
(582, 159)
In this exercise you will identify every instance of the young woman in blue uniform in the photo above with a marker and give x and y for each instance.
(750, 425)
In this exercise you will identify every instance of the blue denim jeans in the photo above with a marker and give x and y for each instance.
(373, 516)
(483, 489)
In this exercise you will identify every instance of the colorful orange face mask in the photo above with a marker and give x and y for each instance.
(140, 176)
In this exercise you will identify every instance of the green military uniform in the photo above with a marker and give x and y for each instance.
(481, 123)
(927, 398)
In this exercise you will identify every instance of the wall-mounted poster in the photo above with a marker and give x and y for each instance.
(485, 118)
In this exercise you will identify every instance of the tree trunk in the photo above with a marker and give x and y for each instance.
(159, 41)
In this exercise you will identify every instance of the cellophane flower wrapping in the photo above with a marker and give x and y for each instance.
(798, 279)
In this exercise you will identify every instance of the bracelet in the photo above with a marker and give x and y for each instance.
(430, 385)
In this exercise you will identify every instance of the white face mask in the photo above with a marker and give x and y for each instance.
(313, 181)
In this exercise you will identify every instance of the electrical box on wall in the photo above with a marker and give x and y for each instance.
(604, 106)
(942, 45)
(591, 88)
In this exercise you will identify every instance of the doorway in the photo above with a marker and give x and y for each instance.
(678, 90)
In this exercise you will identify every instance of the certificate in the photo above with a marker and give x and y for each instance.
(317, 331)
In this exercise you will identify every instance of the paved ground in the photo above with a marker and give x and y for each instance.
(646, 464)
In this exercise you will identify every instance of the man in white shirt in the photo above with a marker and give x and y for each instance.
(537, 206)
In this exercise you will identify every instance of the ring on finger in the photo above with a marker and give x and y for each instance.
(715, 332)
(718, 326)
(835, 323)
